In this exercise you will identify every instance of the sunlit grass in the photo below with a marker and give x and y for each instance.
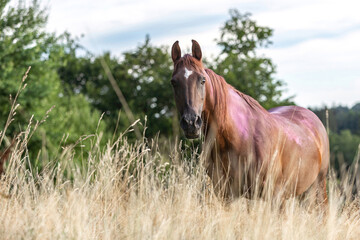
(151, 190)
(132, 191)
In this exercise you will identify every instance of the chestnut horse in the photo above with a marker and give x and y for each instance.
(286, 148)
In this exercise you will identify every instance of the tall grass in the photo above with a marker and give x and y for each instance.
(132, 191)
(135, 191)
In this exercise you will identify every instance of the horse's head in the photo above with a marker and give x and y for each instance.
(188, 81)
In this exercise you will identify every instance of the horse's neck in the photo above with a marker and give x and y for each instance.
(221, 102)
(240, 115)
(237, 118)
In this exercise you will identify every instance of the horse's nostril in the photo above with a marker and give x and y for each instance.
(188, 122)
(198, 122)
(183, 123)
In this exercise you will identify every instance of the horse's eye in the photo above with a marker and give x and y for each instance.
(203, 79)
(173, 82)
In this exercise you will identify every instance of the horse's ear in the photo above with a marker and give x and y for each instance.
(196, 50)
(175, 52)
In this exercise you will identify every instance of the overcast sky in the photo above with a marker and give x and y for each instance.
(316, 43)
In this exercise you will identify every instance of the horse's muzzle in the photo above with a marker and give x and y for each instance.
(191, 125)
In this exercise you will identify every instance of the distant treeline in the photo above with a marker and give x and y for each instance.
(344, 127)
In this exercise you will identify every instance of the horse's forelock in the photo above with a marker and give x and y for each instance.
(188, 61)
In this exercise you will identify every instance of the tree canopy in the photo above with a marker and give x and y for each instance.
(23, 43)
(240, 64)
(344, 132)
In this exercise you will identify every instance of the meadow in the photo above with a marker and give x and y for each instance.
(150, 189)
(108, 185)
(136, 191)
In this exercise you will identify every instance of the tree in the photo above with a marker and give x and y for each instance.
(239, 64)
(143, 77)
(341, 118)
(344, 147)
(24, 42)
(150, 68)
(344, 126)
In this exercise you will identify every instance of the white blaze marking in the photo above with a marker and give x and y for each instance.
(187, 73)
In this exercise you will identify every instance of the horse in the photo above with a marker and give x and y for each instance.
(247, 147)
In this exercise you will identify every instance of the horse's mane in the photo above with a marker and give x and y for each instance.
(249, 100)
(220, 85)
(220, 92)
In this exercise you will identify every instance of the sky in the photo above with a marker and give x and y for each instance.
(316, 43)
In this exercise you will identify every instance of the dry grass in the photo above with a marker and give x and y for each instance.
(133, 192)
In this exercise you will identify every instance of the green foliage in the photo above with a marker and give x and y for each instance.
(344, 126)
(241, 67)
(143, 77)
(242, 36)
(24, 42)
(344, 146)
(85, 75)
(150, 68)
(341, 118)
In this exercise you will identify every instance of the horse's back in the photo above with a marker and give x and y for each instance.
(294, 116)
(306, 144)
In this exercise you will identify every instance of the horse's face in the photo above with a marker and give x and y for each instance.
(188, 82)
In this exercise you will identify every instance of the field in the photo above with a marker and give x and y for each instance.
(69, 175)
(132, 191)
